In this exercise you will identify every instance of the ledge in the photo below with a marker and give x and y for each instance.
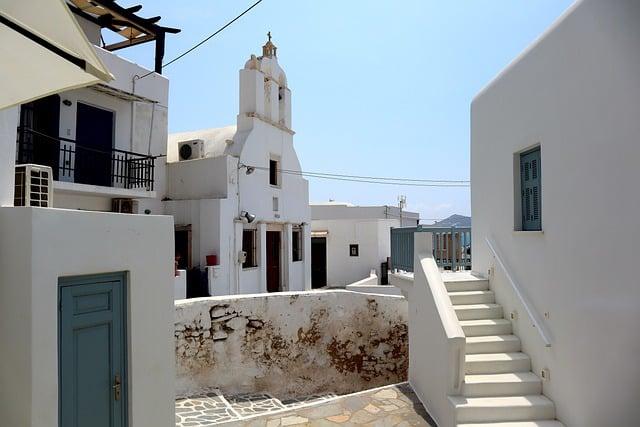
(97, 190)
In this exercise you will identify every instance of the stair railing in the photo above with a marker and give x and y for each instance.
(533, 315)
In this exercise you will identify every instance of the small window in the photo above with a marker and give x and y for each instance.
(274, 172)
(275, 204)
(531, 190)
(353, 250)
(249, 247)
(296, 244)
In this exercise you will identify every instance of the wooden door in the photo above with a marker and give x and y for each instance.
(318, 262)
(92, 347)
(94, 142)
(273, 261)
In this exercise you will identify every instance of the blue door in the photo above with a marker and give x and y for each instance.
(92, 351)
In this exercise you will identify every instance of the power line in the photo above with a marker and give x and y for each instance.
(372, 180)
(212, 35)
(206, 39)
(377, 178)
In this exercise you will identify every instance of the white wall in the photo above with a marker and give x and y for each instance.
(577, 94)
(8, 131)
(336, 210)
(291, 343)
(38, 246)
(200, 179)
(372, 238)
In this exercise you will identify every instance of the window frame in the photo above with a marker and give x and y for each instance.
(297, 247)
(355, 246)
(275, 175)
(251, 259)
(521, 222)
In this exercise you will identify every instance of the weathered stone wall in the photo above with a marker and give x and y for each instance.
(291, 344)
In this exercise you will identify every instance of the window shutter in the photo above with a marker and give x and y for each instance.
(531, 190)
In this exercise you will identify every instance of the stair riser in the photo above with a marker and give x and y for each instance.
(498, 367)
(476, 285)
(511, 346)
(503, 389)
(472, 299)
(505, 413)
(479, 313)
(482, 330)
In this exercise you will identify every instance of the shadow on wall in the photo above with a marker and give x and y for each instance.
(291, 344)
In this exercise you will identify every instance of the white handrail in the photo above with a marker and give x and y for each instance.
(537, 321)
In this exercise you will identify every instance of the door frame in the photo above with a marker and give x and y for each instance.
(273, 228)
(326, 259)
(88, 279)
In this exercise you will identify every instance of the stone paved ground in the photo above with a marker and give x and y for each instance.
(395, 405)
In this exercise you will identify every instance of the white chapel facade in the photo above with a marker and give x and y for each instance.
(231, 195)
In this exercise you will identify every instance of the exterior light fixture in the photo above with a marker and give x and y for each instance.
(249, 217)
(67, 102)
(250, 170)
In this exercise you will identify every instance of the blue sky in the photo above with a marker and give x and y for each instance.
(379, 88)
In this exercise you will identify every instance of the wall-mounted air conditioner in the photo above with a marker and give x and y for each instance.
(33, 186)
(190, 150)
(122, 205)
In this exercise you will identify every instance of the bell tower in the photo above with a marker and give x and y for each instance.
(263, 88)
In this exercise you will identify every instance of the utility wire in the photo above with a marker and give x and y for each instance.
(212, 35)
(377, 178)
(197, 45)
(370, 180)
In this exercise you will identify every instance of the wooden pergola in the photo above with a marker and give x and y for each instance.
(124, 21)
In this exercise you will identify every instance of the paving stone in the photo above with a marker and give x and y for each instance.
(293, 420)
(372, 409)
(339, 418)
(386, 393)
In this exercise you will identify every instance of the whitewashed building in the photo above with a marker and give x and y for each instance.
(232, 196)
(543, 333)
(105, 143)
(348, 241)
(86, 301)
(555, 201)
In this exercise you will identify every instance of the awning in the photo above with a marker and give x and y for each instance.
(43, 51)
(319, 233)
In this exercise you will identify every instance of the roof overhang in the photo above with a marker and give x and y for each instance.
(132, 28)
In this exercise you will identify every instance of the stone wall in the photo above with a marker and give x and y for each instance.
(290, 344)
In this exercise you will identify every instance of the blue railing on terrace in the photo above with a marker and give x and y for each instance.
(451, 247)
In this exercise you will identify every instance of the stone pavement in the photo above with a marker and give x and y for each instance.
(395, 405)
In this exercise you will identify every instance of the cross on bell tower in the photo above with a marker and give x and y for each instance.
(269, 49)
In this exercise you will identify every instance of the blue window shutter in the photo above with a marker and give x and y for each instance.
(531, 190)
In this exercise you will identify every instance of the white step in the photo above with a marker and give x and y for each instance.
(512, 408)
(496, 363)
(458, 283)
(493, 344)
(474, 328)
(539, 423)
(510, 384)
(478, 311)
(472, 297)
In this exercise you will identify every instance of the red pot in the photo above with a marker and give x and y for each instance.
(212, 260)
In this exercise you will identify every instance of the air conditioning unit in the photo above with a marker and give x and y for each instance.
(122, 205)
(190, 150)
(33, 186)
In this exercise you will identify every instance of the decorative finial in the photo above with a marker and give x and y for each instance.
(269, 49)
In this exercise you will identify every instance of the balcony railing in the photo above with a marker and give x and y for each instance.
(74, 162)
(451, 247)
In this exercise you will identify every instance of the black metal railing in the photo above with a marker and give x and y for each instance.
(79, 163)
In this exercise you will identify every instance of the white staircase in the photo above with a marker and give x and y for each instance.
(499, 389)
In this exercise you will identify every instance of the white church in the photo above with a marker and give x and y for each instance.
(236, 208)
